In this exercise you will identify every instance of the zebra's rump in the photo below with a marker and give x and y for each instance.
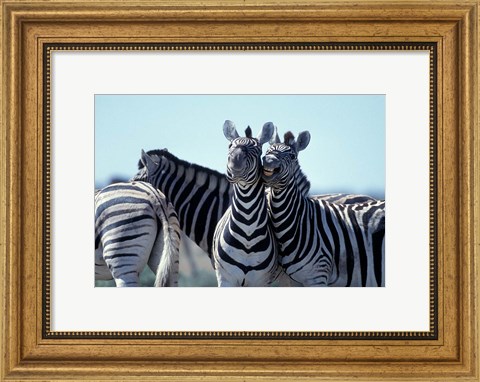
(135, 226)
(122, 208)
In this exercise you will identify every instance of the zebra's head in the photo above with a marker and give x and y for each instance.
(244, 162)
(281, 159)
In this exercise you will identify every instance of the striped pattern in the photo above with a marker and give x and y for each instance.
(244, 247)
(322, 243)
(134, 226)
(199, 195)
(339, 198)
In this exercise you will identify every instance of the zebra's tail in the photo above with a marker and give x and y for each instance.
(167, 271)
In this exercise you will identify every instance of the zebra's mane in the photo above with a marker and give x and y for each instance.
(303, 183)
(248, 132)
(165, 153)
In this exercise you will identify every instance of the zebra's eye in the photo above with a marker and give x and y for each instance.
(292, 156)
(230, 146)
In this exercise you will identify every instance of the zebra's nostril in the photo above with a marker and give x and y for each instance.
(235, 162)
(269, 161)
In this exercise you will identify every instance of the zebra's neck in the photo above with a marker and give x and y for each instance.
(291, 194)
(248, 200)
(301, 181)
(200, 195)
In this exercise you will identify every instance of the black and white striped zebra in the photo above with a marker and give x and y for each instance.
(322, 243)
(244, 247)
(199, 195)
(134, 226)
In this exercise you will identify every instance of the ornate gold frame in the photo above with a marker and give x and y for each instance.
(29, 26)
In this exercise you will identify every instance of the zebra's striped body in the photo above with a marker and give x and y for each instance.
(134, 226)
(320, 242)
(244, 247)
(199, 195)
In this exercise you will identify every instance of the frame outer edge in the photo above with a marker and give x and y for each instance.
(11, 210)
(3, 195)
(475, 192)
(10, 186)
(468, 192)
(192, 10)
(10, 191)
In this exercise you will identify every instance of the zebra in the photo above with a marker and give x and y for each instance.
(199, 195)
(321, 243)
(244, 247)
(135, 225)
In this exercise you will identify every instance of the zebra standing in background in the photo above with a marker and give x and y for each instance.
(244, 247)
(321, 243)
(135, 225)
(200, 195)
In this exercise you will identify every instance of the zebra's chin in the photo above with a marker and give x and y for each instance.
(270, 176)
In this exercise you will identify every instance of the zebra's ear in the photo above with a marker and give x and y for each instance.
(148, 162)
(303, 140)
(275, 138)
(266, 133)
(229, 130)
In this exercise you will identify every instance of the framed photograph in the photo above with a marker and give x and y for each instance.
(351, 124)
(97, 93)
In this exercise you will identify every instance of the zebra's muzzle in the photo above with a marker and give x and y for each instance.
(271, 167)
(270, 173)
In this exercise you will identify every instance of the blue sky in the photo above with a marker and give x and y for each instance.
(346, 151)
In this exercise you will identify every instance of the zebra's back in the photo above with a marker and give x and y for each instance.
(341, 198)
(359, 230)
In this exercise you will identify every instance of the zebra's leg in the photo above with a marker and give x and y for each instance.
(383, 262)
(227, 279)
(101, 269)
(130, 279)
(319, 279)
(376, 259)
(126, 259)
(284, 280)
